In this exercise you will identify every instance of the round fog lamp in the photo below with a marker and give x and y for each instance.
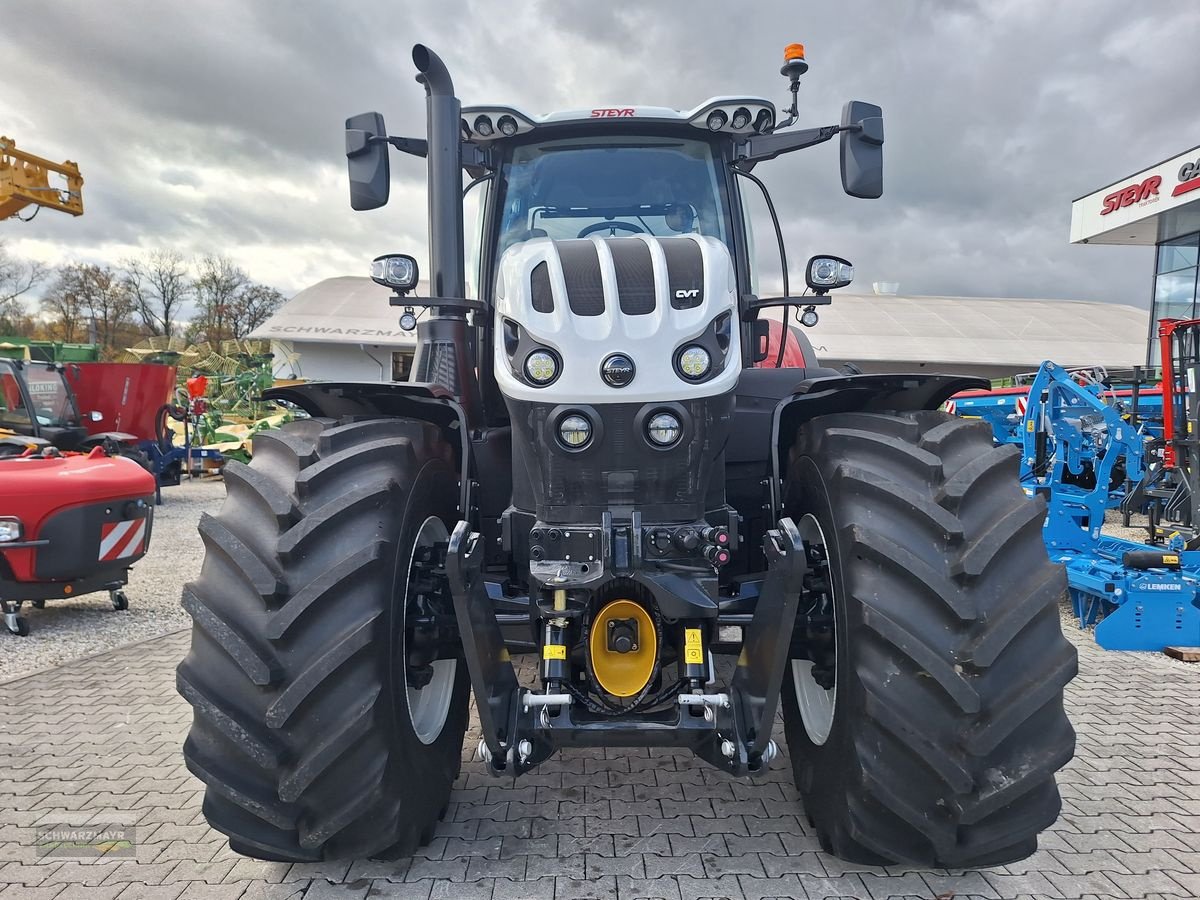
(483, 127)
(507, 125)
(574, 431)
(541, 367)
(694, 362)
(741, 118)
(663, 429)
(716, 120)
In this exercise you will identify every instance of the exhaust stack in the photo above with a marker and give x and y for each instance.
(443, 112)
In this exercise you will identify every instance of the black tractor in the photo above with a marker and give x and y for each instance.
(599, 467)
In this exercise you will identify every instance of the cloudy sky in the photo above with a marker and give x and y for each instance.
(216, 125)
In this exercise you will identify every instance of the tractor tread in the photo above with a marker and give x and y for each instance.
(301, 731)
(256, 486)
(947, 753)
(260, 748)
(320, 590)
(260, 665)
(219, 539)
(295, 543)
(316, 672)
(342, 737)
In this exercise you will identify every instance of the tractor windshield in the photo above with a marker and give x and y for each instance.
(576, 187)
(49, 396)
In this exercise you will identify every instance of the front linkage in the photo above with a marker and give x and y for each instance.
(732, 731)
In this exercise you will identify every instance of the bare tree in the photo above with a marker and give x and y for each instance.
(61, 303)
(255, 305)
(160, 284)
(17, 277)
(103, 299)
(218, 287)
(229, 304)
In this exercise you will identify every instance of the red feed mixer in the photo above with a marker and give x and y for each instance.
(70, 524)
(127, 395)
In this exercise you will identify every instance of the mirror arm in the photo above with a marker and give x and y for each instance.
(749, 301)
(463, 304)
(476, 160)
(768, 146)
(411, 146)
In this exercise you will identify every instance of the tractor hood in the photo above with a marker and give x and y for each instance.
(616, 314)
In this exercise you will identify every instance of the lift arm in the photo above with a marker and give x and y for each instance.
(25, 181)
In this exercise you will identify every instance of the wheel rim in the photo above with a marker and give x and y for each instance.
(818, 705)
(428, 706)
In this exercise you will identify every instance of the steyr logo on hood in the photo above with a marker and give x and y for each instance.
(617, 370)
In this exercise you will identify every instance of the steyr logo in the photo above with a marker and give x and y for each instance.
(617, 370)
(687, 294)
(1135, 193)
(613, 113)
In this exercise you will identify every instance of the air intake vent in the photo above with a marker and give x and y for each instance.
(635, 275)
(539, 289)
(685, 272)
(581, 271)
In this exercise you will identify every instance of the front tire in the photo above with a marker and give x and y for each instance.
(937, 725)
(312, 732)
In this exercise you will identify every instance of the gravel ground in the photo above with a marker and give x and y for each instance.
(70, 629)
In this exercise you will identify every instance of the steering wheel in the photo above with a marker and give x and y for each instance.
(605, 226)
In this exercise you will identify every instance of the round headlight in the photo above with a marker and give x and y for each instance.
(507, 125)
(694, 362)
(741, 117)
(716, 120)
(663, 429)
(575, 432)
(483, 127)
(541, 367)
(764, 121)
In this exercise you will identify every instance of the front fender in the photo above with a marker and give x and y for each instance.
(856, 393)
(397, 399)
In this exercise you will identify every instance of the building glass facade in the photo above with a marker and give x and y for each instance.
(1176, 285)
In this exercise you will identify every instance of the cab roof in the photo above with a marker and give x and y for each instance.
(486, 123)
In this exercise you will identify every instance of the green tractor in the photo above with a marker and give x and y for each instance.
(600, 466)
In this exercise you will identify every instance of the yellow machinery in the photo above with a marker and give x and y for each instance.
(25, 181)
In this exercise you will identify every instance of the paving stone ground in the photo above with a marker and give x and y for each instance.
(96, 742)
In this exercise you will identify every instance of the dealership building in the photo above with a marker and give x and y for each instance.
(1161, 207)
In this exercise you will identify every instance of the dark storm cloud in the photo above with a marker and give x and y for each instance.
(215, 126)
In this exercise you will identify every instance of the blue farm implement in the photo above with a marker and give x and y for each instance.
(1076, 445)
(1004, 408)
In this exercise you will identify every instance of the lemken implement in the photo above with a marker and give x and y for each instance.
(590, 466)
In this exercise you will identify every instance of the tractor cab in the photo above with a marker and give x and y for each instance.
(36, 401)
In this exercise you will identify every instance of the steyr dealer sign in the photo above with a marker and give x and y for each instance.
(1126, 212)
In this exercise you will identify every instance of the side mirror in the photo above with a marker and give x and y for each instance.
(367, 161)
(862, 150)
(826, 273)
(395, 270)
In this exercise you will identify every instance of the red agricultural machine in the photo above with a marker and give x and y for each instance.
(70, 524)
(76, 496)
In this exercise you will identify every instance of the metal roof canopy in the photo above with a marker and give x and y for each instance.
(343, 310)
(1003, 336)
(1155, 205)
